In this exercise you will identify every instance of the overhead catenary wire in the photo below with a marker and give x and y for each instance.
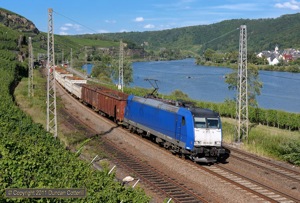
(82, 46)
(75, 22)
(236, 29)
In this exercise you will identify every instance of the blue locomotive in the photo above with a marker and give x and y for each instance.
(191, 132)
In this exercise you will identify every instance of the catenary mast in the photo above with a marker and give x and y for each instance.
(51, 91)
(30, 68)
(121, 66)
(242, 89)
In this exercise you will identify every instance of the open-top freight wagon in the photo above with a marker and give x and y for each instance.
(106, 101)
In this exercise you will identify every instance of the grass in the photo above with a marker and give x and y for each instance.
(267, 141)
(36, 107)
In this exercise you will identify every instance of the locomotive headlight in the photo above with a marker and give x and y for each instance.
(217, 142)
(197, 142)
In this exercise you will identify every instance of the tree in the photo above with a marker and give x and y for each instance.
(208, 54)
(218, 57)
(108, 70)
(103, 69)
(254, 84)
(177, 94)
(232, 56)
(127, 71)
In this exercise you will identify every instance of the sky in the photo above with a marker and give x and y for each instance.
(72, 17)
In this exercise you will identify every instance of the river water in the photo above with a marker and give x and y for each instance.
(281, 90)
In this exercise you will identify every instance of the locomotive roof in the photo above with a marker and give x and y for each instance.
(156, 103)
(162, 104)
(207, 113)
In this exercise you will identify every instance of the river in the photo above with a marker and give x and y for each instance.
(281, 90)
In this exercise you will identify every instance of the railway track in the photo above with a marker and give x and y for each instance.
(263, 163)
(262, 192)
(168, 187)
(156, 180)
(259, 190)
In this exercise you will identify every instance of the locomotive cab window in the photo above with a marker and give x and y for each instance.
(200, 122)
(183, 121)
(213, 123)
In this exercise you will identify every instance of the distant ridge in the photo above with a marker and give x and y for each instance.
(263, 34)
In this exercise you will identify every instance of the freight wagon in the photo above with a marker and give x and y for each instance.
(73, 85)
(60, 75)
(105, 101)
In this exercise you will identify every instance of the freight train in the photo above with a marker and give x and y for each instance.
(194, 133)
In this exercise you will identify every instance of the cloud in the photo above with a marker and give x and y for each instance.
(64, 28)
(110, 21)
(72, 26)
(139, 19)
(148, 26)
(292, 4)
(103, 31)
(245, 7)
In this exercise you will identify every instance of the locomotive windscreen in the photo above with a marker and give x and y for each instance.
(213, 123)
(206, 122)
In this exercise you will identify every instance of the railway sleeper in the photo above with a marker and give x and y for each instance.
(171, 188)
(181, 195)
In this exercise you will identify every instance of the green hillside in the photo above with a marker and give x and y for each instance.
(64, 44)
(263, 34)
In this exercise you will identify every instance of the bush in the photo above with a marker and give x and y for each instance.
(290, 151)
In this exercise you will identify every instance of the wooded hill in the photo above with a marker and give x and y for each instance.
(263, 34)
